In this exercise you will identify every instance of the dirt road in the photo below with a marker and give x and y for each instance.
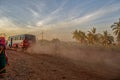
(25, 66)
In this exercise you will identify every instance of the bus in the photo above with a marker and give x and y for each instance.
(21, 41)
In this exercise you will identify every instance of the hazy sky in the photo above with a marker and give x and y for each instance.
(57, 18)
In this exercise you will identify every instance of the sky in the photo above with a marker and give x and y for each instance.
(57, 18)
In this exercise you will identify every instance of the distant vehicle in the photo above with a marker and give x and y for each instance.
(21, 41)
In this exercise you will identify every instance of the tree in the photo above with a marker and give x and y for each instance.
(55, 40)
(92, 36)
(116, 30)
(107, 39)
(79, 36)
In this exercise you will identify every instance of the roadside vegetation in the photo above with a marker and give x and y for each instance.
(93, 38)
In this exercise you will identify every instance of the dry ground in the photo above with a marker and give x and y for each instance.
(24, 66)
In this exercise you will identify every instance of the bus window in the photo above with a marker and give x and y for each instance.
(21, 37)
(18, 38)
(14, 38)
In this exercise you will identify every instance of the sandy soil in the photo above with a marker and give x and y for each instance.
(24, 66)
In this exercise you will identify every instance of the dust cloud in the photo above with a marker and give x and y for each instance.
(99, 60)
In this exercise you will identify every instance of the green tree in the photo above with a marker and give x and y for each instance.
(116, 30)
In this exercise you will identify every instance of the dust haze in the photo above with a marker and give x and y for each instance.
(104, 61)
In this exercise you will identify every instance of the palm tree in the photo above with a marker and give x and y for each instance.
(107, 39)
(92, 36)
(99, 38)
(93, 30)
(116, 28)
(75, 35)
(79, 36)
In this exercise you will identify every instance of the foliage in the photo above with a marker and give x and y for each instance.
(116, 30)
(93, 38)
(107, 39)
(79, 36)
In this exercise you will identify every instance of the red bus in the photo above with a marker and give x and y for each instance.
(21, 41)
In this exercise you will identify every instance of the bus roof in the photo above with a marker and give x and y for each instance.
(22, 35)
